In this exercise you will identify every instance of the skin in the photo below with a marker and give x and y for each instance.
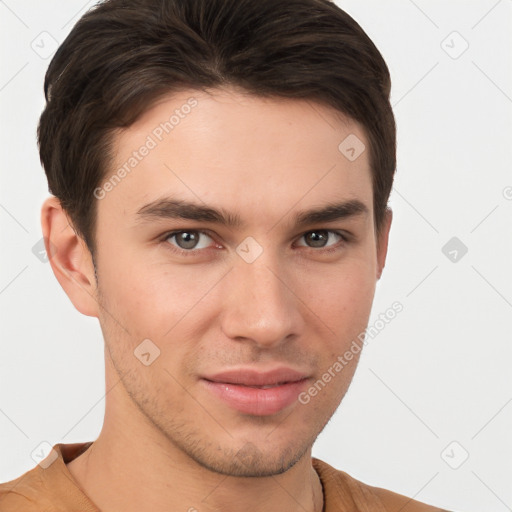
(167, 443)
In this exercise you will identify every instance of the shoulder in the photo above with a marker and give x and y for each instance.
(18, 495)
(341, 488)
(47, 487)
(396, 502)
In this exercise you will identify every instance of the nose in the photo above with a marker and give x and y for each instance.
(260, 304)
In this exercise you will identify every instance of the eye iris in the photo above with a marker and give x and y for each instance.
(189, 238)
(318, 238)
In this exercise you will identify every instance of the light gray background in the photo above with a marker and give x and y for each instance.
(438, 373)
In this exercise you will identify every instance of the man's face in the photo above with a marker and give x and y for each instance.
(263, 295)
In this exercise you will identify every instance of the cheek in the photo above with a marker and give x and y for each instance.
(346, 310)
(342, 297)
(156, 300)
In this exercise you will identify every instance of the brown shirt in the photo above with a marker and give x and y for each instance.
(53, 489)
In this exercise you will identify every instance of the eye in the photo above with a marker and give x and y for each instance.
(187, 241)
(190, 242)
(319, 237)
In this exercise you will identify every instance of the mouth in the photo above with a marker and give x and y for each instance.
(257, 393)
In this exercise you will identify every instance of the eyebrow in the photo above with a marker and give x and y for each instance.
(169, 208)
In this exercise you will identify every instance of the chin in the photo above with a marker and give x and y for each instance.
(250, 461)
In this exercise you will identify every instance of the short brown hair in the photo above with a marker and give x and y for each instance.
(124, 54)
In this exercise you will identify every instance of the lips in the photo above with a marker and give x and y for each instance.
(257, 393)
(252, 378)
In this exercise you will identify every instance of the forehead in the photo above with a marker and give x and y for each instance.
(257, 156)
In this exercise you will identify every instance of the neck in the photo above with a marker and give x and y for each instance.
(120, 475)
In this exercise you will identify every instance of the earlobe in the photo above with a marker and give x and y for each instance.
(69, 257)
(382, 242)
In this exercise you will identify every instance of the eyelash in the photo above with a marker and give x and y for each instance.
(193, 252)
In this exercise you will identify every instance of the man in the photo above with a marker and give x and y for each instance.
(220, 171)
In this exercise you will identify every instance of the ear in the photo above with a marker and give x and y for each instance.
(69, 257)
(382, 241)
